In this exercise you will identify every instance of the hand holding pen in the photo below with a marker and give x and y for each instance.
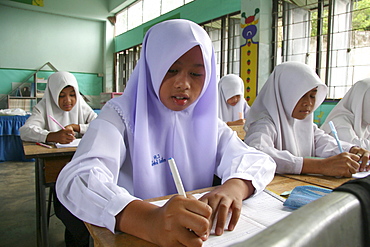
(63, 136)
(363, 155)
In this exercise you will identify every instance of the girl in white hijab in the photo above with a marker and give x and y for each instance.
(232, 105)
(280, 123)
(168, 109)
(351, 116)
(64, 103)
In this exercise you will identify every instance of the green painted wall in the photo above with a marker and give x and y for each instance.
(89, 84)
(323, 111)
(198, 11)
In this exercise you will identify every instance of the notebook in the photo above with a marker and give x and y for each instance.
(74, 143)
(258, 213)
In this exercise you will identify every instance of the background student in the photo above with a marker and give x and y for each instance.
(232, 105)
(351, 116)
(62, 101)
(280, 123)
(168, 109)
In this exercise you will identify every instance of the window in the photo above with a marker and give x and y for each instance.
(225, 35)
(142, 11)
(333, 37)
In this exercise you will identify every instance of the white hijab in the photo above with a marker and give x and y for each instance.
(229, 86)
(49, 105)
(356, 106)
(277, 99)
(157, 133)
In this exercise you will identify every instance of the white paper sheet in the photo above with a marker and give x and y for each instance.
(258, 213)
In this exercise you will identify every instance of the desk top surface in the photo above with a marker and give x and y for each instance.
(239, 130)
(281, 183)
(31, 150)
(319, 180)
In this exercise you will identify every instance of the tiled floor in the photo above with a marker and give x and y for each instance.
(18, 208)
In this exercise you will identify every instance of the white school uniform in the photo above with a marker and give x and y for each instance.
(271, 128)
(123, 155)
(351, 116)
(39, 125)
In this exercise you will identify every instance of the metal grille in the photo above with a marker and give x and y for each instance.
(333, 37)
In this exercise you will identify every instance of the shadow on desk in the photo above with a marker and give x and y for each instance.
(333, 220)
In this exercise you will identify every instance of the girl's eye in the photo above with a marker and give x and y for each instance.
(172, 71)
(196, 74)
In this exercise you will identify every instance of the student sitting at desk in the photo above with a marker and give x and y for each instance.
(351, 116)
(280, 123)
(168, 109)
(64, 103)
(233, 107)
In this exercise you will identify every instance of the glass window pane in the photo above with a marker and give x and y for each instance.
(121, 22)
(135, 13)
(168, 5)
(151, 9)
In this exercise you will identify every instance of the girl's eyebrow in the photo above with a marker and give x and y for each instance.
(194, 65)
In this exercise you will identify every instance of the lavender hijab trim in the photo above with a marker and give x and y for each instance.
(157, 133)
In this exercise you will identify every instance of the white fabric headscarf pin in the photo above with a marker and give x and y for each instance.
(157, 133)
(356, 106)
(230, 85)
(277, 99)
(49, 105)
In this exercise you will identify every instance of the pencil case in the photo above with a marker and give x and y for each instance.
(301, 195)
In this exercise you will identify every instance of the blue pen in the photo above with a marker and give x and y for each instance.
(334, 131)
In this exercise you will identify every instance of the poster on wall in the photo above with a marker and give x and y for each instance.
(249, 52)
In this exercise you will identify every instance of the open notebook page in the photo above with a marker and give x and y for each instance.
(74, 143)
(258, 213)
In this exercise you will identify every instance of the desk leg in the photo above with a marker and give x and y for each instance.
(41, 217)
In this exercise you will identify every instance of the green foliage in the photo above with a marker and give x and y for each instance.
(361, 16)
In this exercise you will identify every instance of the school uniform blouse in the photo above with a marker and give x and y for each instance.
(123, 155)
(231, 85)
(271, 128)
(262, 135)
(351, 116)
(39, 125)
(101, 173)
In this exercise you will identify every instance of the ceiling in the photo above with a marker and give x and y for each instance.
(85, 9)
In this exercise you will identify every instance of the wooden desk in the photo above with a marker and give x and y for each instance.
(239, 130)
(104, 238)
(319, 180)
(48, 163)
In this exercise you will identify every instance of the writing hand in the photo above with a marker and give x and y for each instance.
(227, 198)
(344, 165)
(63, 136)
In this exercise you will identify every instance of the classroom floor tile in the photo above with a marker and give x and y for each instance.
(18, 208)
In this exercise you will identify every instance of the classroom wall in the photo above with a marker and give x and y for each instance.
(29, 39)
